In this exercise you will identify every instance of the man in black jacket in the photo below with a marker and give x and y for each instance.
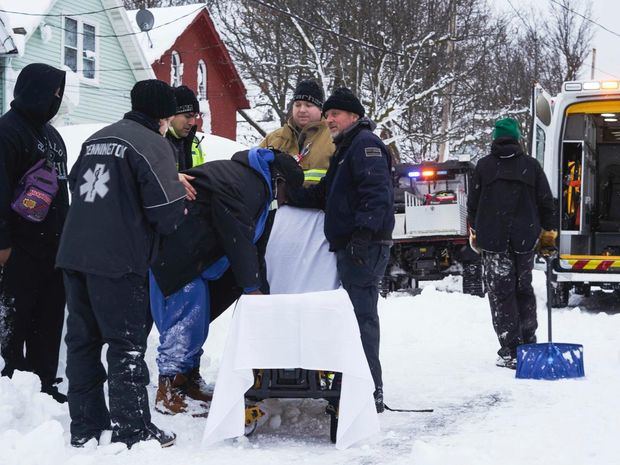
(32, 298)
(510, 206)
(358, 198)
(215, 255)
(126, 194)
(182, 131)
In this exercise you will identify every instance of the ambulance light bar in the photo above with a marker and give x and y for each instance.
(591, 85)
(413, 174)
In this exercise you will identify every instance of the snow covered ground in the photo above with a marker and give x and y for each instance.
(438, 350)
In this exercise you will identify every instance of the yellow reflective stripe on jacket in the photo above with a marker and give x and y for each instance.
(198, 157)
(314, 175)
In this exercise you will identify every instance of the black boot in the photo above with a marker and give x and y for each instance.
(380, 406)
(52, 390)
(165, 439)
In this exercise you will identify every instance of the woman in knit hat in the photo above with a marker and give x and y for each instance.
(305, 135)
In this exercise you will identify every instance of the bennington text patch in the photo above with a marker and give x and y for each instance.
(372, 151)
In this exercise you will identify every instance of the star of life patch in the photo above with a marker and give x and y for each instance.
(373, 152)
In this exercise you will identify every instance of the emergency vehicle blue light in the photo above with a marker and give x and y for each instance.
(442, 172)
(413, 174)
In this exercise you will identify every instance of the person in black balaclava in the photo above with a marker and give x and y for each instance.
(32, 298)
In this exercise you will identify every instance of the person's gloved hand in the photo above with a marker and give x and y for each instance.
(546, 243)
(358, 246)
(472, 241)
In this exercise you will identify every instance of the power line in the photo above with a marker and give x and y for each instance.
(111, 36)
(329, 31)
(518, 14)
(61, 14)
(586, 18)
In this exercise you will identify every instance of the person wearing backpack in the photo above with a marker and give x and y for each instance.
(126, 194)
(32, 298)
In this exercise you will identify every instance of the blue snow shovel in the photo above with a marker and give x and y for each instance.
(551, 360)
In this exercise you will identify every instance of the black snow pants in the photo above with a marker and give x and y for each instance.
(508, 277)
(32, 311)
(115, 312)
(362, 285)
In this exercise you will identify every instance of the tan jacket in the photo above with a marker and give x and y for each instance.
(314, 142)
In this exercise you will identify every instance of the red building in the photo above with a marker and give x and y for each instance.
(184, 48)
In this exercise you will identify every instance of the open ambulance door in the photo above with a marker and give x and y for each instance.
(540, 131)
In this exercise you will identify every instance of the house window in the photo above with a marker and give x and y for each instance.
(202, 80)
(176, 70)
(80, 48)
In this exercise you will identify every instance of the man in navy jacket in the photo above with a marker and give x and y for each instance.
(358, 199)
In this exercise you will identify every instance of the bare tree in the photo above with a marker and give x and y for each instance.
(568, 41)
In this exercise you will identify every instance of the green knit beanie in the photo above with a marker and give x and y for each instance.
(507, 127)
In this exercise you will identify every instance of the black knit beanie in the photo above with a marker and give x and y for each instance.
(285, 166)
(309, 91)
(154, 98)
(186, 100)
(343, 99)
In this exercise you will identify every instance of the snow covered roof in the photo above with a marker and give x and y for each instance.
(169, 23)
(20, 19)
(19, 27)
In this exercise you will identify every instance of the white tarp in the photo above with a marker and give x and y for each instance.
(315, 331)
(298, 257)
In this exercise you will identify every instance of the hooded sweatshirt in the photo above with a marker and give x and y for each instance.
(25, 137)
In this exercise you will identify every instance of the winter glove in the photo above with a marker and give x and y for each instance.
(472, 241)
(546, 243)
(358, 246)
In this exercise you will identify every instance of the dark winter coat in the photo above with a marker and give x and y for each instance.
(26, 137)
(125, 193)
(357, 191)
(221, 221)
(509, 200)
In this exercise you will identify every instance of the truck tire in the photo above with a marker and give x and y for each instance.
(472, 279)
(559, 296)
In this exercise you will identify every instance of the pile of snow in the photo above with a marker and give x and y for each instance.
(214, 147)
(438, 351)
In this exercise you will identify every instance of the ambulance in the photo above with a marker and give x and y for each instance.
(576, 138)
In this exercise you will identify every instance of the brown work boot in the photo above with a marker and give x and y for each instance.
(170, 398)
(196, 388)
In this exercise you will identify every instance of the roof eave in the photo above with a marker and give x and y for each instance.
(134, 54)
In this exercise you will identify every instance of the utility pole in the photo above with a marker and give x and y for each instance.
(535, 40)
(593, 64)
(444, 149)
